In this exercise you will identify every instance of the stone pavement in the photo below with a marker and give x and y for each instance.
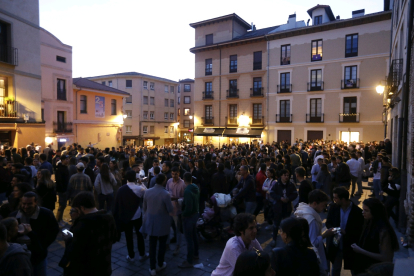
(210, 253)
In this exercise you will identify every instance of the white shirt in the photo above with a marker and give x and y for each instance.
(362, 163)
(139, 191)
(378, 174)
(354, 166)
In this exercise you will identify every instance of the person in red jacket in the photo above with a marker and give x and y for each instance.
(260, 194)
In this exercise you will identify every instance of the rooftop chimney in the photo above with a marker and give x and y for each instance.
(358, 13)
(338, 17)
(292, 21)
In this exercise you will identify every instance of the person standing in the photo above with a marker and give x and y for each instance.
(105, 183)
(376, 170)
(314, 172)
(62, 181)
(158, 210)
(79, 182)
(246, 190)
(190, 216)
(355, 170)
(342, 173)
(45, 164)
(305, 187)
(361, 162)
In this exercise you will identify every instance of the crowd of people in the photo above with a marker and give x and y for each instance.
(160, 194)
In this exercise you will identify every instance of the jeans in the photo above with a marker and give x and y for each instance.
(250, 207)
(354, 180)
(40, 268)
(63, 200)
(377, 188)
(190, 233)
(109, 199)
(130, 239)
(337, 264)
(153, 240)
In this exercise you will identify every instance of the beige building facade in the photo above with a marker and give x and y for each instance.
(151, 110)
(185, 111)
(290, 81)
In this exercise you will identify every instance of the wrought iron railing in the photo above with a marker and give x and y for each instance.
(258, 120)
(284, 88)
(232, 93)
(349, 83)
(207, 120)
(349, 117)
(208, 95)
(8, 54)
(62, 127)
(8, 108)
(395, 74)
(256, 92)
(284, 118)
(315, 118)
(315, 86)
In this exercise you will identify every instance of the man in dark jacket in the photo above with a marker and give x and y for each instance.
(283, 192)
(94, 232)
(88, 171)
(246, 190)
(62, 181)
(40, 226)
(14, 258)
(348, 217)
(342, 173)
(44, 164)
(219, 183)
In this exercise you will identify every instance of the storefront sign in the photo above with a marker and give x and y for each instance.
(242, 131)
(99, 107)
(62, 140)
(209, 130)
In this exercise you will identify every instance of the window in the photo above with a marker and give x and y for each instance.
(172, 89)
(166, 102)
(187, 87)
(233, 64)
(317, 20)
(208, 114)
(209, 66)
(151, 115)
(316, 50)
(110, 83)
(186, 111)
(179, 113)
(232, 89)
(233, 114)
(145, 85)
(103, 83)
(61, 89)
(165, 115)
(257, 113)
(152, 85)
(350, 79)
(145, 114)
(209, 87)
(178, 100)
(152, 101)
(113, 107)
(152, 129)
(315, 110)
(284, 111)
(187, 99)
(171, 129)
(351, 45)
(350, 107)
(257, 86)
(128, 83)
(165, 129)
(171, 116)
(128, 129)
(209, 39)
(285, 55)
(179, 88)
(129, 113)
(61, 59)
(257, 60)
(316, 80)
(83, 104)
(171, 103)
(186, 123)
(145, 129)
(166, 88)
(145, 99)
(61, 121)
(285, 82)
(128, 99)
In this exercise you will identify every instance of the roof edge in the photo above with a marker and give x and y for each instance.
(220, 18)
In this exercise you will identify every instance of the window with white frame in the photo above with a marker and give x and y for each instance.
(166, 88)
(187, 99)
(171, 103)
(145, 129)
(165, 129)
(172, 89)
(128, 129)
(166, 115)
(186, 123)
(152, 115)
(171, 116)
(145, 114)
(145, 100)
(145, 85)
(171, 129)
(129, 113)
(152, 85)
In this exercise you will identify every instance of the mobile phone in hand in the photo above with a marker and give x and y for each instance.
(67, 232)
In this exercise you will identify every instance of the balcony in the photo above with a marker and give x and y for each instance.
(349, 118)
(315, 118)
(315, 86)
(209, 71)
(257, 65)
(65, 127)
(284, 88)
(395, 74)
(233, 68)
(231, 121)
(8, 54)
(284, 118)
(208, 95)
(256, 92)
(232, 93)
(285, 61)
(350, 84)
(258, 120)
(207, 121)
(8, 108)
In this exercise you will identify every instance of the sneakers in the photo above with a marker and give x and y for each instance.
(129, 258)
(143, 257)
(152, 272)
(176, 251)
(185, 264)
(159, 268)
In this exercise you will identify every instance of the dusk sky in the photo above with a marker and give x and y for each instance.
(154, 37)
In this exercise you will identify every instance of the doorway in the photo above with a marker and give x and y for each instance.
(315, 135)
(349, 136)
(284, 135)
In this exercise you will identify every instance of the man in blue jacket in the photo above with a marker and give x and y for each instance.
(246, 190)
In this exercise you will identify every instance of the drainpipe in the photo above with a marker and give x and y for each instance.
(267, 88)
(220, 97)
(406, 94)
(76, 111)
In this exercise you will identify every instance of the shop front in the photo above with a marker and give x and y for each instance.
(242, 135)
(212, 136)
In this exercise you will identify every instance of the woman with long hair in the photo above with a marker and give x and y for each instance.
(113, 168)
(378, 240)
(253, 263)
(105, 183)
(296, 258)
(46, 189)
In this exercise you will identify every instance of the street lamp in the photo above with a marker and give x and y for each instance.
(380, 89)
(124, 116)
(191, 117)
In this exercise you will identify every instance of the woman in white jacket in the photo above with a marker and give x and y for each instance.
(105, 183)
(267, 187)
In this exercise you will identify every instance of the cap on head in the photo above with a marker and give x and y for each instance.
(80, 165)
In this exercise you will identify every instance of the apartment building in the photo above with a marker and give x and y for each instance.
(185, 111)
(20, 74)
(151, 110)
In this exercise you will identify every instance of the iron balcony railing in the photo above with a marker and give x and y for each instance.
(284, 88)
(8, 54)
(284, 118)
(285, 61)
(209, 71)
(232, 93)
(349, 83)
(258, 120)
(395, 74)
(315, 118)
(257, 65)
(231, 120)
(256, 92)
(233, 68)
(349, 117)
(62, 127)
(8, 108)
(207, 121)
(208, 95)
(61, 94)
(315, 86)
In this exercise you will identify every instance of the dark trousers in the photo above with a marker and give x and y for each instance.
(354, 180)
(63, 200)
(153, 240)
(109, 199)
(268, 212)
(134, 224)
(390, 202)
(260, 203)
(190, 233)
(293, 168)
(276, 223)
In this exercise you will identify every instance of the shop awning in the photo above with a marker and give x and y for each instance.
(243, 132)
(201, 131)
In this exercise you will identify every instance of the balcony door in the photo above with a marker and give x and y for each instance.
(284, 110)
(233, 114)
(350, 109)
(315, 110)
(209, 114)
(61, 120)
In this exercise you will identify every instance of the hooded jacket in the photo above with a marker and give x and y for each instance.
(16, 261)
(191, 200)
